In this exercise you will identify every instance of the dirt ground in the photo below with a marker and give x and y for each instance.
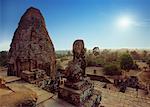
(3, 71)
(16, 95)
(131, 98)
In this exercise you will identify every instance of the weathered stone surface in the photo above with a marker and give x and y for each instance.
(78, 88)
(78, 54)
(76, 97)
(2, 83)
(73, 72)
(34, 75)
(81, 85)
(31, 46)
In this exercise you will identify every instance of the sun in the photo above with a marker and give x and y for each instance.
(124, 22)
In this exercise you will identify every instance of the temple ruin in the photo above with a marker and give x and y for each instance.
(31, 46)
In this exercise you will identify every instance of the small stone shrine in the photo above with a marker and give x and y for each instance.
(78, 89)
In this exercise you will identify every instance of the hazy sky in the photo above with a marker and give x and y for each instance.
(102, 23)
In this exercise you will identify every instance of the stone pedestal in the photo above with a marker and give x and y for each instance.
(80, 94)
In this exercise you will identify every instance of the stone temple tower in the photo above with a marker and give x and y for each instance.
(31, 46)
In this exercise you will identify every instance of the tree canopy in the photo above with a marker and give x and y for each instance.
(126, 62)
(111, 69)
(3, 58)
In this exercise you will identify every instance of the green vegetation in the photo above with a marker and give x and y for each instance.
(126, 62)
(103, 58)
(3, 58)
(135, 55)
(94, 61)
(148, 62)
(58, 65)
(112, 69)
(63, 54)
(59, 56)
(135, 66)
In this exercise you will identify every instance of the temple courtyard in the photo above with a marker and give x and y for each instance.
(111, 97)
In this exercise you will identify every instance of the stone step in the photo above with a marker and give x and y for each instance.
(9, 79)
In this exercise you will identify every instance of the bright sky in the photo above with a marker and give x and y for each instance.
(102, 23)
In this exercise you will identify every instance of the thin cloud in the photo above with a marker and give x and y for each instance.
(144, 23)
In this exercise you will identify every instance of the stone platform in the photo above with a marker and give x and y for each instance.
(9, 79)
(80, 85)
(80, 97)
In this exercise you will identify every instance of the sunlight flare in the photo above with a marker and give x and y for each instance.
(124, 22)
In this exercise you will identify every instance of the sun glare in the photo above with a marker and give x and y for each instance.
(124, 22)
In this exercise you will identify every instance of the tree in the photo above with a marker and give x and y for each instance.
(148, 62)
(145, 53)
(105, 54)
(92, 60)
(111, 69)
(126, 62)
(135, 66)
(59, 65)
(144, 56)
(69, 53)
(3, 58)
(135, 55)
